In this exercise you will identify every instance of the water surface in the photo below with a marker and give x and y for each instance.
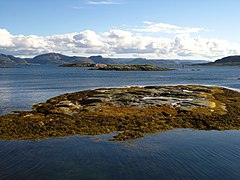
(22, 87)
(177, 154)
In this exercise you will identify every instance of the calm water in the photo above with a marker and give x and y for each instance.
(22, 87)
(178, 154)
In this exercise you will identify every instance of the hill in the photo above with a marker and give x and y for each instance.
(8, 59)
(162, 62)
(101, 60)
(226, 61)
(56, 58)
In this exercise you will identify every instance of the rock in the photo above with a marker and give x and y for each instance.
(130, 68)
(61, 110)
(64, 104)
(90, 101)
(130, 111)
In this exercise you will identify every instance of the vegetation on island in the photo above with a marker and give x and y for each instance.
(117, 67)
(77, 65)
(135, 67)
(130, 112)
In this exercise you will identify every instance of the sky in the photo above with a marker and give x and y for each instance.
(154, 29)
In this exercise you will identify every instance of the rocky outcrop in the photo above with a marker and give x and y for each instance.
(131, 112)
(135, 67)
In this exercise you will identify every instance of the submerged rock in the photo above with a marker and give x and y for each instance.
(132, 112)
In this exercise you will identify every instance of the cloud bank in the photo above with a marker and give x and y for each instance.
(122, 43)
(167, 28)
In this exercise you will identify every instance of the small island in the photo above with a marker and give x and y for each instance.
(117, 67)
(136, 67)
(77, 65)
(8, 67)
(130, 112)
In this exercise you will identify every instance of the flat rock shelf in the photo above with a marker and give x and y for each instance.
(131, 112)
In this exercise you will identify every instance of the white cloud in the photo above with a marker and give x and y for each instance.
(78, 7)
(87, 39)
(5, 38)
(101, 2)
(166, 28)
(91, 3)
(119, 43)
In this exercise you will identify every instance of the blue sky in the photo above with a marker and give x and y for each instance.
(99, 25)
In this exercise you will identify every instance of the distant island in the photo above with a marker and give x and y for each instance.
(78, 65)
(226, 61)
(131, 112)
(145, 67)
(7, 66)
(57, 58)
(117, 67)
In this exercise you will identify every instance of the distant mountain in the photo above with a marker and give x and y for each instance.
(226, 61)
(102, 60)
(49, 58)
(142, 61)
(56, 58)
(8, 59)
(162, 62)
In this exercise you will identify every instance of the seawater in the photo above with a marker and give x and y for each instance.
(21, 87)
(177, 154)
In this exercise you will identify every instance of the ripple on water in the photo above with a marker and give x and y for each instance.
(177, 154)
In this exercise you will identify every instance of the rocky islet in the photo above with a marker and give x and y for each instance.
(117, 67)
(131, 112)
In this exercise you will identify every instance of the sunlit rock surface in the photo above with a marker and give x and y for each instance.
(131, 112)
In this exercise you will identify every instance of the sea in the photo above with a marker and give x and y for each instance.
(176, 154)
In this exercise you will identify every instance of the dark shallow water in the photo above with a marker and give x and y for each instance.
(177, 154)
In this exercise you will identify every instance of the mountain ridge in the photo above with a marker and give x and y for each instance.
(225, 61)
(57, 58)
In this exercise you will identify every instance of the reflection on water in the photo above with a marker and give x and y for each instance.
(178, 154)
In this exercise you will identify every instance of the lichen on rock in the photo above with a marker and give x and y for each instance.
(131, 112)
